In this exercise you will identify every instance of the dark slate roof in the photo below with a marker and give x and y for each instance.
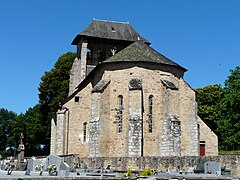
(100, 85)
(141, 52)
(110, 30)
(169, 84)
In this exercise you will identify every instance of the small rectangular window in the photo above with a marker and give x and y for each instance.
(76, 98)
(84, 132)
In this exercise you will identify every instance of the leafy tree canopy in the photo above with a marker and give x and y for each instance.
(54, 85)
(229, 124)
(34, 132)
(220, 109)
(208, 99)
(54, 89)
(8, 140)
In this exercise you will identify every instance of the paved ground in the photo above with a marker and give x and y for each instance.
(20, 175)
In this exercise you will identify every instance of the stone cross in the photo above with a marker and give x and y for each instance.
(21, 149)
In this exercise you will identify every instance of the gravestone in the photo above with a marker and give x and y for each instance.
(200, 165)
(3, 166)
(52, 159)
(211, 167)
(64, 170)
(31, 164)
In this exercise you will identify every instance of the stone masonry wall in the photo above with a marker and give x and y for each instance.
(174, 105)
(210, 138)
(78, 70)
(160, 164)
(79, 113)
(104, 135)
(188, 117)
(135, 123)
(58, 131)
(94, 125)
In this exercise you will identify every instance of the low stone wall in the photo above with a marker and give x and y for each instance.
(163, 164)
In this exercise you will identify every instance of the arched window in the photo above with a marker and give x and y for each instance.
(101, 55)
(84, 132)
(150, 110)
(120, 113)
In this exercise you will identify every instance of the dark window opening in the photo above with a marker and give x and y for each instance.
(150, 109)
(84, 132)
(120, 113)
(77, 98)
(101, 55)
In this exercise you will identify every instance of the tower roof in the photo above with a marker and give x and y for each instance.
(141, 52)
(110, 30)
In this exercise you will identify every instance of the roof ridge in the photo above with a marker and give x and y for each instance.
(94, 19)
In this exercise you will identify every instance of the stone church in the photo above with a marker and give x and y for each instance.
(127, 100)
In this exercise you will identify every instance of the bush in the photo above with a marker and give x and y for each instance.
(146, 172)
(128, 173)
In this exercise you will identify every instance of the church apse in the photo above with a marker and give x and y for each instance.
(133, 100)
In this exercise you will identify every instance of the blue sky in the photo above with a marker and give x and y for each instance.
(201, 35)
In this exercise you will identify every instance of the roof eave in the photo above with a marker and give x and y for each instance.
(177, 66)
(79, 37)
(76, 40)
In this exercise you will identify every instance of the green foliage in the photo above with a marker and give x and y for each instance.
(229, 124)
(34, 132)
(35, 123)
(8, 133)
(146, 172)
(128, 173)
(208, 99)
(54, 85)
(54, 89)
(229, 152)
(220, 109)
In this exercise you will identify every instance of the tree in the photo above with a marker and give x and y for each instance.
(54, 89)
(33, 132)
(8, 141)
(229, 124)
(208, 99)
(220, 109)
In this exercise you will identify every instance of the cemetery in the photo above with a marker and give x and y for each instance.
(74, 167)
(117, 75)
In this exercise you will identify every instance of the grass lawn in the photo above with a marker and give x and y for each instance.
(229, 152)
